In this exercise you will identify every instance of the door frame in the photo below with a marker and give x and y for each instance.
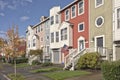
(96, 41)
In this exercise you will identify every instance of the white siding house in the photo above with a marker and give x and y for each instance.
(116, 29)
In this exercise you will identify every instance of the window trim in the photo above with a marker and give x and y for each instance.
(83, 27)
(97, 19)
(83, 8)
(96, 6)
(71, 11)
(68, 14)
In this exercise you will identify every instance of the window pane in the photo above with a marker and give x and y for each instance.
(66, 14)
(57, 19)
(57, 36)
(118, 18)
(73, 11)
(81, 27)
(52, 20)
(98, 2)
(52, 37)
(81, 7)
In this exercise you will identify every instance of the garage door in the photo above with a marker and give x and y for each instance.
(56, 57)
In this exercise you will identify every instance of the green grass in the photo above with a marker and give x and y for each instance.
(46, 70)
(65, 74)
(17, 77)
(21, 65)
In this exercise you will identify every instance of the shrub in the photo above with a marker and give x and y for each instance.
(47, 64)
(35, 62)
(111, 70)
(89, 60)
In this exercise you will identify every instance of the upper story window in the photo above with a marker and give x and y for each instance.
(29, 44)
(47, 37)
(99, 21)
(64, 34)
(52, 37)
(57, 19)
(57, 36)
(33, 42)
(38, 28)
(99, 3)
(81, 7)
(41, 28)
(73, 11)
(52, 20)
(81, 27)
(41, 39)
(67, 13)
(118, 18)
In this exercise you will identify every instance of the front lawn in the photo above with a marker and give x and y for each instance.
(17, 77)
(46, 70)
(21, 65)
(61, 75)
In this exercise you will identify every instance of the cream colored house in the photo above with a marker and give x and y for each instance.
(100, 20)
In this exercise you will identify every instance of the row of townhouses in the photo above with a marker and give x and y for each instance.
(81, 26)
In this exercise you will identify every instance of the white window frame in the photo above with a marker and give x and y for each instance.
(68, 15)
(97, 19)
(96, 6)
(64, 35)
(73, 12)
(52, 37)
(83, 8)
(118, 18)
(34, 42)
(57, 36)
(83, 27)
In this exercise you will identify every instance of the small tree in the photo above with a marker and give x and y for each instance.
(13, 43)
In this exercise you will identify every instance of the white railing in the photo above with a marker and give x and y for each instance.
(69, 57)
(73, 56)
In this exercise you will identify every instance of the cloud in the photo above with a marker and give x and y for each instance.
(3, 4)
(13, 4)
(12, 7)
(29, 1)
(24, 18)
(2, 14)
(2, 32)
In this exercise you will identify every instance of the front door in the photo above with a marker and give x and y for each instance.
(81, 45)
(99, 45)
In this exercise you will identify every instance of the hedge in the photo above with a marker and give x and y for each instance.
(89, 61)
(19, 60)
(111, 70)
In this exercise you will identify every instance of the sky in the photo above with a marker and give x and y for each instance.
(25, 12)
